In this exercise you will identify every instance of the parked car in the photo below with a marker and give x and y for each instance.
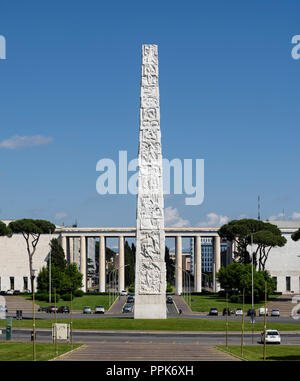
(169, 299)
(63, 309)
(2, 292)
(239, 312)
(87, 310)
(127, 308)
(251, 312)
(272, 336)
(275, 312)
(9, 292)
(262, 311)
(123, 293)
(43, 309)
(226, 311)
(16, 292)
(52, 309)
(3, 308)
(130, 299)
(99, 310)
(213, 311)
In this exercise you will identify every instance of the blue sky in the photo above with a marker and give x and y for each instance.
(229, 95)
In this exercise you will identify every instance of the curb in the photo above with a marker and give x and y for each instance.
(67, 353)
(231, 354)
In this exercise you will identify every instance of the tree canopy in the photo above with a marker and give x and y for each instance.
(5, 230)
(237, 276)
(296, 235)
(265, 237)
(31, 231)
(57, 255)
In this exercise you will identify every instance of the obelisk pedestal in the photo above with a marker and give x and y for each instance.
(150, 276)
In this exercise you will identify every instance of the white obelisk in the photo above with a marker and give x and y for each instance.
(150, 272)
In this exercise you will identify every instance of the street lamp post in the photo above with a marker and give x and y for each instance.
(114, 281)
(252, 288)
(33, 313)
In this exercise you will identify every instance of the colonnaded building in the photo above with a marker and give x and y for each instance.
(79, 244)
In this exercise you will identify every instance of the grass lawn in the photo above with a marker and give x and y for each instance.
(79, 303)
(203, 303)
(23, 351)
(172, 324)
(273, 353)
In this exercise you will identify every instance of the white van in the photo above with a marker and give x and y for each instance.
(262, 311)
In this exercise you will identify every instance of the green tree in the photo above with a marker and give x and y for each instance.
(265, 237)
(170, 266)
(129, 253)
(296, 235)
(237, 276)
(31, 231)
(4, 230)
(57, 255)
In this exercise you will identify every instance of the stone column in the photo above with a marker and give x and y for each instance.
(83, 261)
(102, 279)
(71, 247)
(64, 245)
(217, 261)
(121, 264)
(178, 269)
(198, 265)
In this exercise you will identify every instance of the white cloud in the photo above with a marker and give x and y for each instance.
(213, 220)
(295, 216)
(276, 217)
(60, 215)
(173, 219)
(25, 141)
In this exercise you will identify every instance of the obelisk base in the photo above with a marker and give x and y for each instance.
(150, 307)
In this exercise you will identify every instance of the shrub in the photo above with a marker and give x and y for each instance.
(234, 298)
(67, 297)
(131, 288)
(78, 293)
(45, 297)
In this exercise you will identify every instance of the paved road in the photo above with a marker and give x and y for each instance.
(150, 351)
(150, 337)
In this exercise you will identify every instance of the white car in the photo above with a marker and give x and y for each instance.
(238, 312)
(99, 310)
(272, 336)
(262, 311)
(9, 292)
(124, 293)
(3, 309)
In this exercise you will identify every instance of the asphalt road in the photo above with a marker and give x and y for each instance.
(24, 335)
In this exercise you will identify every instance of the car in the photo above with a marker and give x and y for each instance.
(213, 311)
(99, 310)
(275, 312)
(63, 309)
(52, 309)
(130, 299)
(43, 309)
(9, 292)
(87, 310)
(239, 312)
(127, 308)
(262, 311)
(2, 292)
(123, 293)
(16, 292)
(272, 337)
(3, 308)
(226, 311)
(169, 299)
(251, 312)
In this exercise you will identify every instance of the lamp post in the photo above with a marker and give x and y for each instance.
(50, 270)
(33, 313)
(252, 288)
(188, 276)
(114, 282)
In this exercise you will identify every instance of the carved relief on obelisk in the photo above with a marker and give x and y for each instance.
(150, 279)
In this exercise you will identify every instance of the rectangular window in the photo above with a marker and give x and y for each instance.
(288, 283)
(275, 278)
(25, 278)
(12, 283)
